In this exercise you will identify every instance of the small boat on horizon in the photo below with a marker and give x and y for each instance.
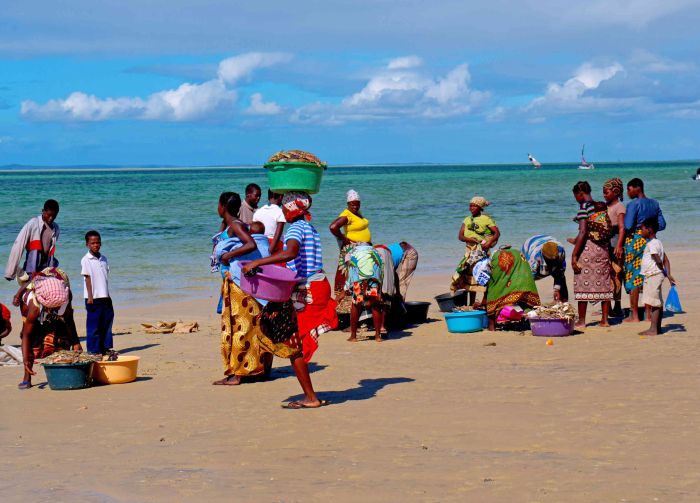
(585, 164)
(535, 163)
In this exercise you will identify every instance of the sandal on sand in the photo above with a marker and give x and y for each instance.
(299, 405)
(24, 385)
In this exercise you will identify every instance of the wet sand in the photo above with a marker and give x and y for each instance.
(424, 416)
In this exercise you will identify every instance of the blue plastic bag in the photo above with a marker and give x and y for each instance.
(673, 303)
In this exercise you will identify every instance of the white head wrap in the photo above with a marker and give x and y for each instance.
(353, 196)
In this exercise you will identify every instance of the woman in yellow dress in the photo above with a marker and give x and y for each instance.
(350, 229)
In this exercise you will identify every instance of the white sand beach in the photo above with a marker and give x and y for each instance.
(424, 416)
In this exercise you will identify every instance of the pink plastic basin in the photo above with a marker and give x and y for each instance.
(544, 327)
(274, 283)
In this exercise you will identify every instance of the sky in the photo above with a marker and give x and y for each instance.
(213, 82)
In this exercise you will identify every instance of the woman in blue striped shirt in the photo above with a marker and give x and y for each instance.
(291, 329)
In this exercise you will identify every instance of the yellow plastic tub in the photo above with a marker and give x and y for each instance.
(121, 371)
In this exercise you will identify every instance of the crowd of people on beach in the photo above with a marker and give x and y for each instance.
(615, 247)
(254, 330)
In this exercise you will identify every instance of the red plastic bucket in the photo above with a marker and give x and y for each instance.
(273, 283)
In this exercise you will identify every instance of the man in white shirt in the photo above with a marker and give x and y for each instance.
(98, 303)
(272, 218)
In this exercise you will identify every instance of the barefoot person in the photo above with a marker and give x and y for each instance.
(655, 267)
(364, 285)
(291, 329)
(639, 209)
(480, 234)
(240, 350)
(590, 259)
(350, 229)
(48, 319)
(612, 192)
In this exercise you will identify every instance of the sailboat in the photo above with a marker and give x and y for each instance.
(535, 163)
(585, 164)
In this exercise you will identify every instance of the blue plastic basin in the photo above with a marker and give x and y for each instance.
(68, 376)
(466, 322)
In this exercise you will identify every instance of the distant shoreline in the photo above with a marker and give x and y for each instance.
(15, 168)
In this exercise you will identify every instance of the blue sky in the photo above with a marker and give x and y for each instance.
(224, 82)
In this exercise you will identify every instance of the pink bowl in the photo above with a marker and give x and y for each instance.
(274, 283)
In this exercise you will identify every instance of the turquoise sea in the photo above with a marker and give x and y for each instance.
(156, 223)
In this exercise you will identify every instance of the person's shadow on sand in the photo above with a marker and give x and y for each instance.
(367, 389)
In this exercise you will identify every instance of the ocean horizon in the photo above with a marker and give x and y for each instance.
(156, 221)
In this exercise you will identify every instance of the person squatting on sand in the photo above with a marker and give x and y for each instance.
(241, 352)
(291, 329)
(590, 258)
(639, 209)
(612, 192)
(38, 237)
(480, 233)
(357, 232)
(45, 303)
(655, 267)
(547, 257)
(364, 285)
(98, 304)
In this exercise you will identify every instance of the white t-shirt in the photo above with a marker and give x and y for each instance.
(98, 270)
(649, 267)
(269, 215)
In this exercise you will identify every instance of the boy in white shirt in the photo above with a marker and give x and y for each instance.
(98, 304)
(272, 218)
(655, 267)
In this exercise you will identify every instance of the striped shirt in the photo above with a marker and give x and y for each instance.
(586, 209)
(309, 260)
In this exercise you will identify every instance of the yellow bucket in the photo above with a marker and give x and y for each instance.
(121, 371)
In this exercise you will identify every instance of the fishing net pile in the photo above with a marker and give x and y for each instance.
(296, 156)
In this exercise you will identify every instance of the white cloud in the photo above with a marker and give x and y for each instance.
(404, 63)
(212, 99)
(189, 102)
(401, 89)
(260, 107)
(233, 69)
(574, 94)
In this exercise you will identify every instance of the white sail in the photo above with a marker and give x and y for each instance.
(534, 161)
(584, 163)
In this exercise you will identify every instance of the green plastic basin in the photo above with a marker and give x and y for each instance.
(294, 176)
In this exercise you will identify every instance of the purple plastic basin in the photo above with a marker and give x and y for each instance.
(546, 327)
(273, 283)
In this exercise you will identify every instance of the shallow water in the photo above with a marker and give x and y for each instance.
(156, 223)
